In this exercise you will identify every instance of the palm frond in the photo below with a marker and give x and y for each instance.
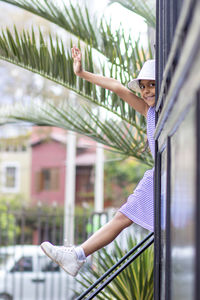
(108, 130)
(81, 24)
(49, 59)
(134, 283)
(141, 8)
(68, 17)
(56, 64)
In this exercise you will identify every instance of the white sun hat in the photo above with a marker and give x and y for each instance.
(146, 73)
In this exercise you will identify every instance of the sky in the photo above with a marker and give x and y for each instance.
(128, 19)
(118, 14)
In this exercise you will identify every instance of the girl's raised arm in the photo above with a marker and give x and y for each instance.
(108, 83)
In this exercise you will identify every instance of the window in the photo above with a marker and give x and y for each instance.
(46, 174)
(10, 177)
(24, 264)
(47, 179)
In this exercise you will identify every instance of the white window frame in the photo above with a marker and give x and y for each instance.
(16, 188)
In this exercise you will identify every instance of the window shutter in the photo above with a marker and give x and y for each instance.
(39, 181)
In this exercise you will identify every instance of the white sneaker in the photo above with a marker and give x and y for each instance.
(65, 257)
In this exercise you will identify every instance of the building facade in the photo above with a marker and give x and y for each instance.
(33, 167)
(177, 176)
(15, 164)
(48, 171)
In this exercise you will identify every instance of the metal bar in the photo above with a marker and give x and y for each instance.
(39, 227)
(185, 13)
(197, 225)
(159, 43)
(112, 277)
(14, 244)
(53, 220)
(114, 267)
(168, 221)
(22, 242)
(54, 211)
(6, 241)
(159, 72)
(157, 49)
(60, 241)
(173, 14)
(46, 228)
(179, 76)
(157, 204)
(44, 235)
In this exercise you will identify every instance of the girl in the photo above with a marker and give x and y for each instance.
(139, 206)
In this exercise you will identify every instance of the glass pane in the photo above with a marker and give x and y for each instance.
(163, 221)
(24, 264)
(46, 178)
(183, 151)
(10, 177)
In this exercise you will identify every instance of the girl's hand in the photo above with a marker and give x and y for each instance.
(76, 55)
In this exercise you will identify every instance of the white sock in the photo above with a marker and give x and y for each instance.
(80, 253)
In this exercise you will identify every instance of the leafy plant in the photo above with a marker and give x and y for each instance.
(121, 175)
(123, 129)
(134, 283)
(8, 226)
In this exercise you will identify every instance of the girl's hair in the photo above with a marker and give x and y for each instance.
(146, 147)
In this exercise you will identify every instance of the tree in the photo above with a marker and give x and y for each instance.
(103, 116)
(121, 177)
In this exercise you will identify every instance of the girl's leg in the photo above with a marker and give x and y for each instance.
(68, 258)
(106, 234)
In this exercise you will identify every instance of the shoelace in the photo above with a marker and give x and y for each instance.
(67, 249)
(60, 250)
(59, 253)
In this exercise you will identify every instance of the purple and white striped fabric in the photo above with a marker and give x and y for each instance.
(139, 206)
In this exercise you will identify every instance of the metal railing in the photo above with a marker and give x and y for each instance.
(143, 245)
(26, 273)
(23, 228)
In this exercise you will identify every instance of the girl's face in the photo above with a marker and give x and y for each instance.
(148, 91)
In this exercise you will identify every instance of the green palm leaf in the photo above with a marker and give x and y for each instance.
(56, 64)
(80, 23)
(69, 17)
(50, 59)
(134, 283)
(115, 133)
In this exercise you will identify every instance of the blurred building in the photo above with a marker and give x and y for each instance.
(15, 165)
(34, 166)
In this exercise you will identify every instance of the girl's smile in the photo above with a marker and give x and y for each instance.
(147, 88)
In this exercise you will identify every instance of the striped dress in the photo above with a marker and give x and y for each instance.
(139, 206)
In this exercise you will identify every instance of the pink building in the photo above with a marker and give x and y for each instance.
(48, 166)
